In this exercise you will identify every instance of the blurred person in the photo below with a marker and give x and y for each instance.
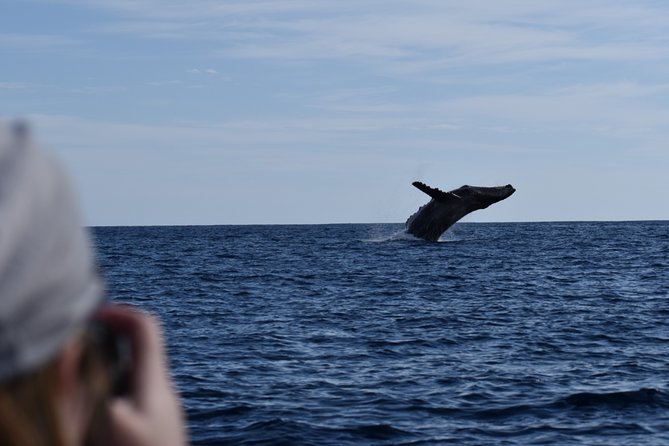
(57, 380)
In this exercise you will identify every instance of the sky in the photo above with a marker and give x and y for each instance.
(304, 111)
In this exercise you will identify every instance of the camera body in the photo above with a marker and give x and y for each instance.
(116, 352)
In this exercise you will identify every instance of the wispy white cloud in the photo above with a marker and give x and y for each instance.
(16, 85)
(97, 89)
(618, 90)
(624, 109)
(243, 134)
(34, 41)
(209, 71)
(163, 83)
(420, 35)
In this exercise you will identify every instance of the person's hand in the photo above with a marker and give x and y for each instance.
(151, 414)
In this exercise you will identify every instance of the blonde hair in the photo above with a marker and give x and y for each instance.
(28, 403)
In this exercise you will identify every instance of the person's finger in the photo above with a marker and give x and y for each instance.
(124, 425)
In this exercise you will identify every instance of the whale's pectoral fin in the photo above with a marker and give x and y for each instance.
(435, 193)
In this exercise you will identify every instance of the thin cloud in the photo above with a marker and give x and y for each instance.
(34, 41)
(97, 89)
(163, 83)
(616, 108)
(15, 85)
(209, 71)
(427, 35)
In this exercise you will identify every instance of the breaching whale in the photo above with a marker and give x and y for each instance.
(445, 208)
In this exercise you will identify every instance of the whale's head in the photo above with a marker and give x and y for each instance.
(485, 196)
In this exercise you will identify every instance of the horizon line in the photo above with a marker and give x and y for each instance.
(376, 223)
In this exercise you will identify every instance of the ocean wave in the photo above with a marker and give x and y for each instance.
(644, 397)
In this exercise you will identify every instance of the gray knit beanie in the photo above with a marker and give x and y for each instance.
(48, 282)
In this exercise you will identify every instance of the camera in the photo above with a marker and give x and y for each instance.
(116, 352)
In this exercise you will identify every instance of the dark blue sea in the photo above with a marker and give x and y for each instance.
(500, 334)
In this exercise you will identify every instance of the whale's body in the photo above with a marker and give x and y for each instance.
(445, 208)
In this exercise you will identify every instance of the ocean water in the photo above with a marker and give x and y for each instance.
(500, 334)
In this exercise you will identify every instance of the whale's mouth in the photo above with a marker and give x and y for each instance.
(491, 195)
(494, 192)
(507, 190)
